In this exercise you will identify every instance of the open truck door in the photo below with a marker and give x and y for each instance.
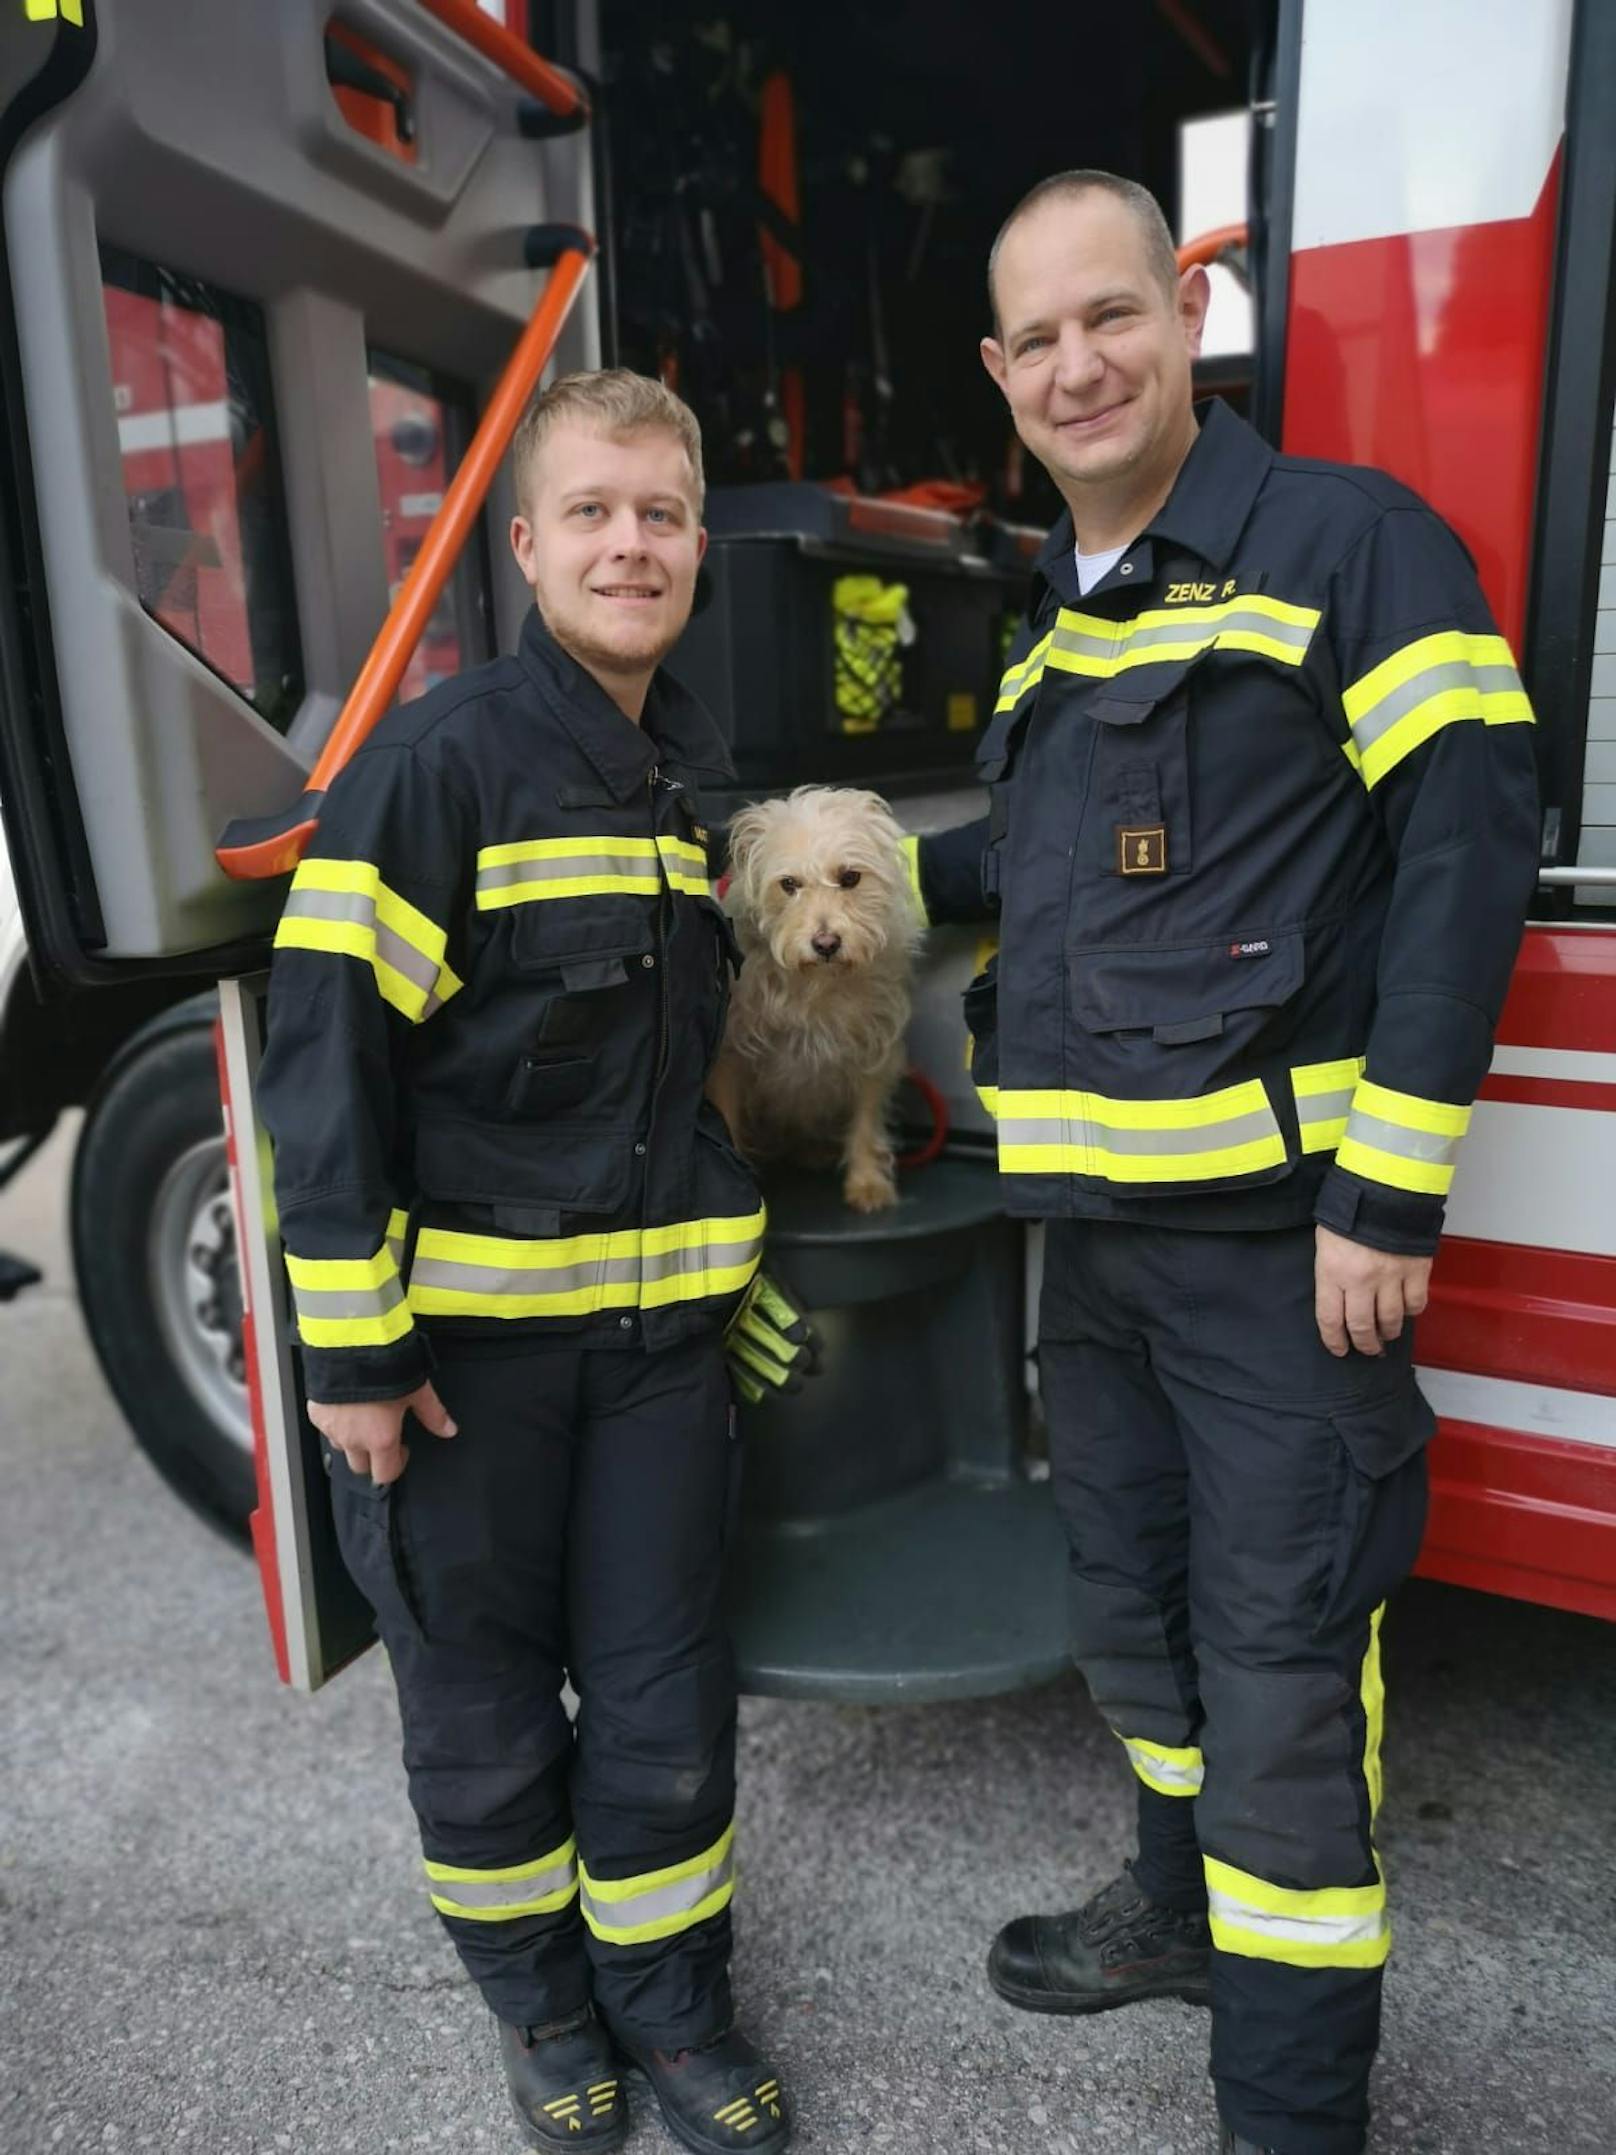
(262, 268)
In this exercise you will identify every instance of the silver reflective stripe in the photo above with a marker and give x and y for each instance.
(420, 970)
(490, 1895)
(703, 1257)
(1081, 643)
(1088, 1131)
(1409, 695)
(1183, 1776)
(467, 1278)
(1396, 1137)
(643, 868)
(1199, 630)
(1328, 1931)
(1324, 1106)
(657, 1904)
(348, 1301)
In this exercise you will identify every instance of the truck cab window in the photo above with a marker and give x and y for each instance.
(420, 425)
(202, 476)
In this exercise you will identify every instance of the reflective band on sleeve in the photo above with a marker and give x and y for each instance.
(345, 908)
(522, 1889)
(1217, 1135)
(1091, 645)
(1324, 1100)
(459, 1275)
(535, 869)
(1399, 1139)
(909, 847)
(1431, 683)
(348, 1301)
(1331, 1927)
(656, 1904)
(1168, 1772)
(398, 1226)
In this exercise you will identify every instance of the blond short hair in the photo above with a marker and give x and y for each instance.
(612, 401)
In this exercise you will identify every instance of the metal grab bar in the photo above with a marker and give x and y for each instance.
(254, 847)
(1207, 246)
(554, 90)
(1568, 878)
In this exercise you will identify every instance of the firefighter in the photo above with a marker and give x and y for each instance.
(517, 1233)
(1261, 840)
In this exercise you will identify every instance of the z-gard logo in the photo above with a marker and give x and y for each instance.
(1258, 949)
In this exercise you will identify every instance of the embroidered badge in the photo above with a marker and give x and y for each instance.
(1142, 852)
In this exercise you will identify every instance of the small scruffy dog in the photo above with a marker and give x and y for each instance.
(829, 927)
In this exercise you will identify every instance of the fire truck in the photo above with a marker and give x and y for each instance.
(275, 282)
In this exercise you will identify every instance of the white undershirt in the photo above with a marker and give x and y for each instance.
(1092, 567)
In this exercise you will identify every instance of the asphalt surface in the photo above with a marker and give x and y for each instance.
(213, 1939)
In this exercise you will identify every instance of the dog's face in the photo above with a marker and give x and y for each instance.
(818, 878)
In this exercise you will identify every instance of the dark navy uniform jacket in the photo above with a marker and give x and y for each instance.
(1263, 835)
(498, 984)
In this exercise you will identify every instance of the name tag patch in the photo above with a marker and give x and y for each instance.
(1142, 851)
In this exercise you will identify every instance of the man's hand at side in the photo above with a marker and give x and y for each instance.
(370, 1433)
(1361, 1296)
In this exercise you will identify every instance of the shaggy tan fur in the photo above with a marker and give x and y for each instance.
(814, 1047)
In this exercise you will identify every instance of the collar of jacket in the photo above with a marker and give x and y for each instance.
(1212, 497)
(674, 728)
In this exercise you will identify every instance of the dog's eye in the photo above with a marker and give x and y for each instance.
(790, 885)
(848, 878)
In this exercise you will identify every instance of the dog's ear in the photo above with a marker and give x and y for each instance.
(748, 834)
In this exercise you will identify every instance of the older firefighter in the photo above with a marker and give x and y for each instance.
(1262, 837)
(498, 985)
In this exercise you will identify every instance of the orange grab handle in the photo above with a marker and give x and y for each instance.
(548, 84)
(1207, 246)
(255, 848)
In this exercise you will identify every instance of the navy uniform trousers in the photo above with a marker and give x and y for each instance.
(573, 1528)
(1239, 1504)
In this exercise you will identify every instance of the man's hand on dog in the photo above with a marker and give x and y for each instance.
(369, 1433)
(1361, 1296)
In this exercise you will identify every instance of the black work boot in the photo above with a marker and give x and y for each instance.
(564, 2084)
(1117, 1947)
(718, 2097)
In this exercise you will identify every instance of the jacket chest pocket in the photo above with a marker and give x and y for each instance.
(996, 761)
(577, 968)
(1139, 820)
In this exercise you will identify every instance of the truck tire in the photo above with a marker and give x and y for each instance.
(154, 1247)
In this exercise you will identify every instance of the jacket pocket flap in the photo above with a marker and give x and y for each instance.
(1175, 990)
(575, 1166)
(1381, 1436)
(550, 933)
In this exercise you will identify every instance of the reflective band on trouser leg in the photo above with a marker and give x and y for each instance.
(1168, 1772)
(344, 907)
(536, 869)
(1218, 1135)
(1400, 1139)
(1372, 1691)
(520, 1889)
(1324, 1100)
(1330, 1927)
(656, 1904)
(1089, 644)
(349, 1301)
(459, 1275)
(1434, 682)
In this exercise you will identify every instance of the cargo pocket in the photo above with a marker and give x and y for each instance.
(557, 1070)
(370, 1538)
(1381, 1517)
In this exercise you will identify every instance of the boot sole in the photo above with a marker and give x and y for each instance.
(687, 2135)
(570, 2143)
(1072, 2003)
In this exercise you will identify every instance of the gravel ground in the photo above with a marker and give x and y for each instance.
(212, 1938)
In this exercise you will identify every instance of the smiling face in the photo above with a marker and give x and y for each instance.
(1093, 352)
(609, 542)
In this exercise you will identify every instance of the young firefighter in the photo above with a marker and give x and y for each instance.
(512, 1217)
(1262, 838)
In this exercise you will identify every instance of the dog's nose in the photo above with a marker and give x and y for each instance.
(827, 943)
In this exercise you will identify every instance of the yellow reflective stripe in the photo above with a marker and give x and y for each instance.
(1169, 1771)
(1324, 1093)
(497, 1896)
(345, 909)
(909, 847)
(333, 1274)
(1092, 645)
(1372, 1691)
(398, 1227)
(1079, 1133)
(1327, 1927)
(553, 849)
(355, 1331)
(1402, 1140)
(348, 1301)
(685, 865)
(456, 1274)
(657, 1904)
(1025, 674)
(1435, 681)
